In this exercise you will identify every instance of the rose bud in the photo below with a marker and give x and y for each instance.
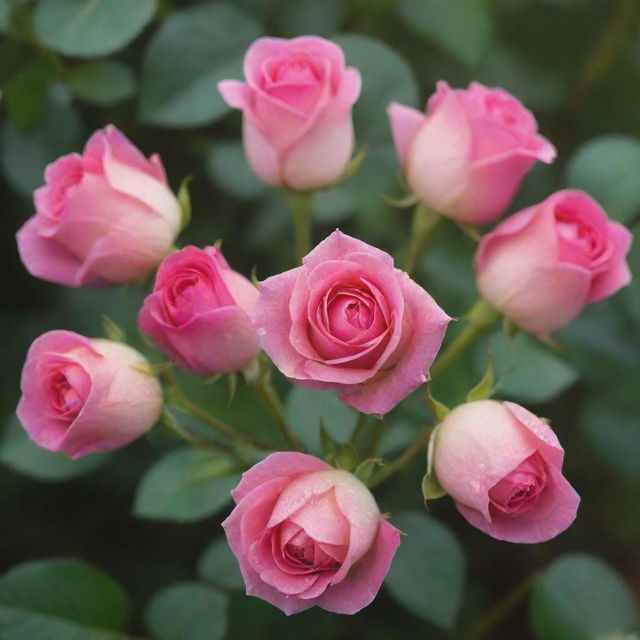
(81, 395)
(348, 320)
(503, 467)
(198, 312)
(306, 534)
(541, 266)
(105, 216)
(296, 104)
(466, 157)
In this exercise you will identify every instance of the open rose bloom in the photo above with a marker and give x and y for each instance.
(306, 534)
(467, 155)
(348, 320)
(81, 395)
(105, 216)
(503, 467)
(198, 312)
(296, 104)
(541, 266)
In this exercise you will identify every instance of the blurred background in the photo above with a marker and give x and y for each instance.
(68, 67)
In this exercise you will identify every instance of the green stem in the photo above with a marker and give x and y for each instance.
(180, 398)
(360, 428)
(274, 404)
(480, 318)
(300, 203)
(423, 228)
(501, 609)
(171, 424)
(403, 459)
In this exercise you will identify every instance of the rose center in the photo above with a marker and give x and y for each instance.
(521, 489)
(575, 230)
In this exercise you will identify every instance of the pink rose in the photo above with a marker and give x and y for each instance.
(81, 395)
(348, 320)
(541, 266)
(199, 311)
(105, 216)
(296, 103)
(503, 467)
(467, 156)
(306, 534)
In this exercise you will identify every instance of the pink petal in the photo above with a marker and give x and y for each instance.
(277, 465)
(405, 122)
(362, 583)
(618, 273)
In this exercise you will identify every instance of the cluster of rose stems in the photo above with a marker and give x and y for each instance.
(477, 321)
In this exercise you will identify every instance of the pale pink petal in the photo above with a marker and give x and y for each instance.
(285, 464)
(45, 258)
(405, 122)
(261, 154)
(236, 94)
(618, 274)
(362, 583)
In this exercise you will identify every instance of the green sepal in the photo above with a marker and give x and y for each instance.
(347, 457)
(232, 386)
(409, 200)
(111, 330)
(439, 410)
(353, 167)
(184, 200)
(364, 471)
(153, 369)
(431, 488)
(485, 388)
(509, 328)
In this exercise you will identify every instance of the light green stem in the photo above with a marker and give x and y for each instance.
(403, 459)
(480, 318)
(360, 428)
(274, 404)
(300, 203)
(423, 228)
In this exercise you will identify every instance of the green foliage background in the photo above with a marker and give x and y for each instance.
(68, 67)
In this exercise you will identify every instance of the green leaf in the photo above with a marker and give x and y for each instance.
(296, 17)
(22, 455)
(427, 574)
(579, 596)
(60, 599)
(87, 28)
(526, 369)
(194, 49)
(187, 611)
(608, 168)
(104, 83)
(24, 155)
(387, 76)
(484, 389)
(227, 165)
(186, 485)
(461, 28)
(306, 408)
(364, 471)
(24, 94)
(219, 566)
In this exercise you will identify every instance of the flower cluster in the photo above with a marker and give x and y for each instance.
(347, 319)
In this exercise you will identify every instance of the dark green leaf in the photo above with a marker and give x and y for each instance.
(187, 611)
(305, 409)
(60, 599)
(579, 597)
(608, 168)
(87, 28)
(227, 166)
(194, 49)
(462, 28)
(186, 485)
(105, 83)
(219, 566)
(19, 453)
(297, 17)
(427, 574)
(386, 77)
